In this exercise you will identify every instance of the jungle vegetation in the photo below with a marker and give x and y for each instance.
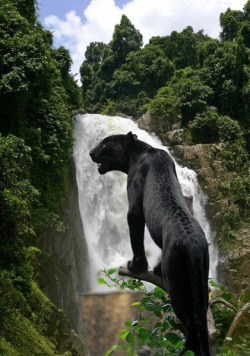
(179, 78)
(185, 80)
(37, 95)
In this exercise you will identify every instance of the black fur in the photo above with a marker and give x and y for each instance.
(155, 198)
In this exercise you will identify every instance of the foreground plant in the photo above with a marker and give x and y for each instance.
(156, 326)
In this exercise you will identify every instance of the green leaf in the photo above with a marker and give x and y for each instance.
(214, 284)
(128, 323)
(111, 270)
(123, 334)
(135, 304)
(180, 344)
(130, 339)
(165, 326)
(173, 338)
(188, 353)
(130, 352)
(101, 281)
(159, 293)
(143, 335)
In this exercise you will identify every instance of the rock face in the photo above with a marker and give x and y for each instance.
(174, 135)
(145, 123)
(198, 158)
(235, 263)
(67, 339)
(62, 279)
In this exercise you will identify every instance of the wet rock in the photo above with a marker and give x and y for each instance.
(77, 346)
(145, 122)
(121, 114)
(62, 278)
(176, 137)
(234, 264)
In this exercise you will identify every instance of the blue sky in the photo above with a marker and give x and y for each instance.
(61, 7)
(76, 23)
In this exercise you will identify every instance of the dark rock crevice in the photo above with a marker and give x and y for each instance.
(65, 275)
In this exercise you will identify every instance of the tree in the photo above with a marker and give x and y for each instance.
(125, 39)
(194, 94)
(151, 68)
(94, 54)
(182, 47)
(63, 63)
(165, 110)
(225, 71)
(230, 22)
(27, 9)
(36, 98)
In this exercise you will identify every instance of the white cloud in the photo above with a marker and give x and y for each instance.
(152, 18)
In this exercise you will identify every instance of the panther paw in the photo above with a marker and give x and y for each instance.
(138, 265)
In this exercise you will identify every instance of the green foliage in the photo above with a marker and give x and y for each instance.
(230, 23)
(63, 63)
(17, 196)
(27, 324)
(37, 94)
(150, 69)
(165, 109)
(235, 24)
(184, 97)
(181, 48)
(125, 39)
(185, 80)
(225, 310)
(213, 128)
(239, 191)
(94, 54)
(239, 350)
(223, 313)
(194, 94)
(157, 327)
(181, 76)
(224, 71)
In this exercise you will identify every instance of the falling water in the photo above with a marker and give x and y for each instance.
(103, 198)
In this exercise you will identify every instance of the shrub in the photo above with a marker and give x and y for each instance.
(213, 128)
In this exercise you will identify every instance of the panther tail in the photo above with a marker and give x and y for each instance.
(199, 287)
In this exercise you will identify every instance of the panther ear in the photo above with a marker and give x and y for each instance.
(130, 137)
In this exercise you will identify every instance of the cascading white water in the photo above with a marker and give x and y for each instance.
(103, 198)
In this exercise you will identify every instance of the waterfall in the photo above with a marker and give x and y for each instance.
(103, 198)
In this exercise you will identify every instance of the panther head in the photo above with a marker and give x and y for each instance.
(112, 153)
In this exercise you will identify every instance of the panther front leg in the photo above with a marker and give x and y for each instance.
(136, 224)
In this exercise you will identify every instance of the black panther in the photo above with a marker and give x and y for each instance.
(155, 198)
